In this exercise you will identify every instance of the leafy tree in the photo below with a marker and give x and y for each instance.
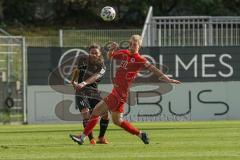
(85, 13)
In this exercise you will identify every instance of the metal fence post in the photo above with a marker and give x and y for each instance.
(24, 80)
(205, 34)
(61, 38)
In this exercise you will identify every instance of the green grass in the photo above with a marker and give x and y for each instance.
(215, 140)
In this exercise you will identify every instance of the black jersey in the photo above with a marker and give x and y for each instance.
(88, 68)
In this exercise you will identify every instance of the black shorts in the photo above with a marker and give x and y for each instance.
(84, 102)
(88, 97)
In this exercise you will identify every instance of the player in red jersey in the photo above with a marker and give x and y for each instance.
(131, 63)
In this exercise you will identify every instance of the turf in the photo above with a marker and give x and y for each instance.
(212, 140)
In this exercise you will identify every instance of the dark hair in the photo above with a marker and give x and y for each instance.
(96, 46)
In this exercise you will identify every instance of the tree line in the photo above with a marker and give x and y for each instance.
(85, 13)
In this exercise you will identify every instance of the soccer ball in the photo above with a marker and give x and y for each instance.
(108, 13)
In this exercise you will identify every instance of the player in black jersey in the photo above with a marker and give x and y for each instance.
(87, 95)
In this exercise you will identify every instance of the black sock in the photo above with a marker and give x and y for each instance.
(90, 136)
(103, 127)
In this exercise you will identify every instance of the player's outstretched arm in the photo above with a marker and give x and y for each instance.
(160, 74)
(91, 79)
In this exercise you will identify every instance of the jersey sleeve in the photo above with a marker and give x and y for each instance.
(142, 60)
(118, 54)
(101, 72)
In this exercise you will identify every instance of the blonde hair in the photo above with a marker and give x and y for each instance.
(137, 38)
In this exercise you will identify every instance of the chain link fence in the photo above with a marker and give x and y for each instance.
(81, 38)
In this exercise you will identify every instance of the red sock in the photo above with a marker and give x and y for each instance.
(129, 128)
(90, 125)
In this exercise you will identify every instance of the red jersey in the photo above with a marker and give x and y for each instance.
(127, 72)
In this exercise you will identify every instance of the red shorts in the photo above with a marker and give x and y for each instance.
(114, 102)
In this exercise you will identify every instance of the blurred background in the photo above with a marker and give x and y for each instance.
(196, 40)
(42, 19)
(26, 16)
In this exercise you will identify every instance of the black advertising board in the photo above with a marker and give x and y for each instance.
(188, 64)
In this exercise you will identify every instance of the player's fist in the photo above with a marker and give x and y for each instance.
(80, 86)
(114, 46)
(74, 84)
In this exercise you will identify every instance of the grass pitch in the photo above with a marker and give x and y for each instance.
(216, 140)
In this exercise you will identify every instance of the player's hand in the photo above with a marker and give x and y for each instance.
(113, 47)
(79, 86)
(74, 84)
(174, 81)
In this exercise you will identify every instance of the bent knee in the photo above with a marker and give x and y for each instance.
(105, 117)
(84, 110)
(117, 122)
(85, 113)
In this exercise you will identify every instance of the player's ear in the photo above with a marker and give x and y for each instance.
(130, 43)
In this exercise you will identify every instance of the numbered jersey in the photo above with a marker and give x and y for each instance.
(127, 71)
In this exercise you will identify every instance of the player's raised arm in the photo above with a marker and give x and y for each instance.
(114, 46)
(160, 74)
